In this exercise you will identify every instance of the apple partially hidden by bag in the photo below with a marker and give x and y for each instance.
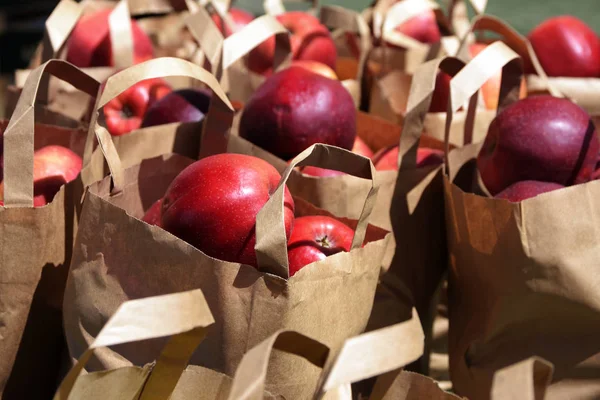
(53, 167)
(212, 204)
(315, 238)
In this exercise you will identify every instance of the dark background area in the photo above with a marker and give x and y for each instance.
(22, 22)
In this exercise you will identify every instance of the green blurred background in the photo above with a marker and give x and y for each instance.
(521, 14)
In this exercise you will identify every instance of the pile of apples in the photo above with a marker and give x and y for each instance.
(537, 145)
(213, 203)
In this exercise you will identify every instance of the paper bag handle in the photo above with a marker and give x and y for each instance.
(276, 7)
(271, 246)
(67, 13)
(419, 101)
(58, 27)
(458, 14)
(467, 82)
(374, 353)
(19, 134)
(514, 40)
(249, 379)
(150, 318)
(217, 122)
(121, 36)
(384, 25)
(342, 20)
(222, 53)
(526, 380)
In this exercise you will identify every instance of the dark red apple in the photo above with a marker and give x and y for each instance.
(124, 113)
(240, 19)
(53, 167)
(539, 138)
(316, 237)
(310, 40)
(566, 46)
(360, 147)
(296, 108)
(422, 27)
(89, 44)
(185, 105)
(491, 89)
(152, 216)
(387, 159)
(526, 189)
(212, 204)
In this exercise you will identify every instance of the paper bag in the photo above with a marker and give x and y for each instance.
(520, 281)
(187, 319)
(62, 97)
(389, 91)
(525, 380)
(180, 138)
(412, 198)
(226, 55)
(167, 32)
(117, 257)
(35, 242)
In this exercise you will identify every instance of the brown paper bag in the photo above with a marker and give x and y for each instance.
(62, 97)
(525, 380)
(36, 242)
(167, 33)
(118, 257)
(225, 55)
(389, 91)
(412, 198)
(169, 377)
(359, 358)
(519, 281)
(180, 138)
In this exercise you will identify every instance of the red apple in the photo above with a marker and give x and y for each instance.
(422, 27)
(89, 44)
(212, 204)
(387, 159)
(240, 19)
(566, 46)
(522, 190)
(316, 237)
(360, 147)
(316, 67)
(185, 105)
(152, 216)
(539, 138)
(310, 40)
(124, 113)
(296, 108)
(491, 89)
(53, 167)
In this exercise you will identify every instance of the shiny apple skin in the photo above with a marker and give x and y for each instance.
(539, 138)
(296, 108)
(316, 237)
(567, 47)
(89, 44)
(212, 204)
(125, 112)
